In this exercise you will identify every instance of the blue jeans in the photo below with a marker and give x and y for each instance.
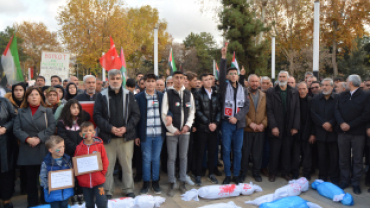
(151, 150)
(232, 137)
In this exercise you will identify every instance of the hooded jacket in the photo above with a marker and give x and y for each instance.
(10, 96)
(91, 180)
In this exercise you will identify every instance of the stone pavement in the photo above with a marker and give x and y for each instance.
(361, 201)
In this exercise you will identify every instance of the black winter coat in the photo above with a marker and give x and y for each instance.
(355, 111)
(307, 130)
(8, 145)
(207, 111)
(102, 115)
(322, 111)
(274, 109)
(71, 137)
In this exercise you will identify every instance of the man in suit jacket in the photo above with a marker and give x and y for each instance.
(283, 114)
(322, 112)
(352, 112)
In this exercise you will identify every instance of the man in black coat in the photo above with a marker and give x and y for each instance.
(90, 89)
(207, 120)
(303, 141)
(116, 114)
(283, 115)
(322, 113)
(352, 112)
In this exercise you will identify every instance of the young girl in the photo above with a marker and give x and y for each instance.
(68, 127)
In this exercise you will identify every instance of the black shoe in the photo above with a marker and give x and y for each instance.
(23, 191)
(74, 199)
(137, 178)
(8, 205)
(227, 180)
(295, 176)
(198, 180)
(156, 188)
(241, 178)
(132, 195)
(357, 190)
(217, 172)
(343, 185)
(213, 179)
(308, 177)
(80, 199)
(271, 178)
(219, 163)
(368, 190)
(257, 178)
(236, 180)
(145, 189)
(109, 197)
(286, 177)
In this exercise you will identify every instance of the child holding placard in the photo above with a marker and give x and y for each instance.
(55, 160)
(92, 183)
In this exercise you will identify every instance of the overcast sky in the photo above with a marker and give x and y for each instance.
(183, 16)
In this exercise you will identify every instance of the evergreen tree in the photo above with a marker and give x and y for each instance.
(355, 61)
(241, 28)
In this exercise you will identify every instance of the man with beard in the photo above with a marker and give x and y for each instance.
(322, 112)
(352, 112)
(90, 87)
(283, 114)
(254, 132)
(302, 145)
(315, 88)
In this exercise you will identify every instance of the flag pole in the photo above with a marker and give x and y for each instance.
(29, 74)
(273, 59)
(214, 68)
(103, 71)
(156, 50)
(316, 39)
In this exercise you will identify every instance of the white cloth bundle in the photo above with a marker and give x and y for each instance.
(230, 204)
(143, 201)
(294, 188)
(221, 191)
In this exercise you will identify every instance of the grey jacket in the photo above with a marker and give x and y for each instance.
(242, 122)
(41, 125)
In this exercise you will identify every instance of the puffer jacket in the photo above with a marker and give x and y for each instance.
(91, 180)
(50, 164)
(208, 111)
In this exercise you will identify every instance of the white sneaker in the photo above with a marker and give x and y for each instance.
(189, 181)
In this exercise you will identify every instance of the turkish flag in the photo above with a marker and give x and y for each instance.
(111, 60)
(228, 111)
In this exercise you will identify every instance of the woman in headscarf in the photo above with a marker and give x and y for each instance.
(17, 95)
(71, 91)
(60, 91)
(52, 98)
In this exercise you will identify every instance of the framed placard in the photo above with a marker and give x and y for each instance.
(87, 164)
(61, 179)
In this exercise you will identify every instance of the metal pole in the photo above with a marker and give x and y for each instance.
(273, 60)
(29, 74)
(103, 71)
(214, 68)
(316, 39)
(156, 50)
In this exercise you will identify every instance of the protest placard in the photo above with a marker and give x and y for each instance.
(54, 63)
(61, 179)
(87, 164)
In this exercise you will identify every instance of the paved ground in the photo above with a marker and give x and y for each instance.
(361, 201)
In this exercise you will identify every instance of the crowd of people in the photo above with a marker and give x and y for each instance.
(184, 125)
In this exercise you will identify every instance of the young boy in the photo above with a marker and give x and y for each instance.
(55, 160)
(92, 183)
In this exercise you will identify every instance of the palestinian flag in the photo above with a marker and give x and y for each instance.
(234, 63)
(171, 62)
(10, 62)
(123, 69)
